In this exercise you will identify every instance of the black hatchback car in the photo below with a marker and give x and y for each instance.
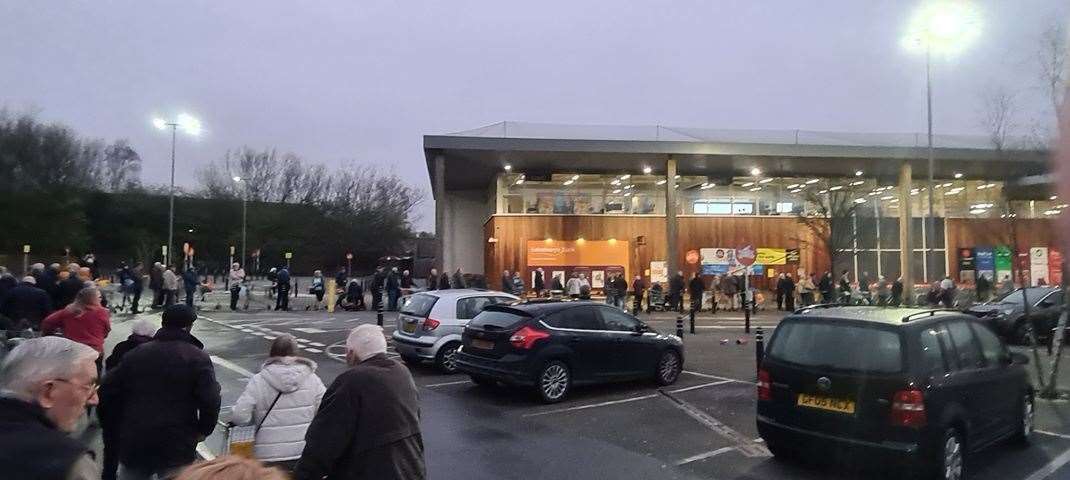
(554, 345)
(908, 387)
(1006, 314)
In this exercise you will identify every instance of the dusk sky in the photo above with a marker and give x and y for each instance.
(348, 82)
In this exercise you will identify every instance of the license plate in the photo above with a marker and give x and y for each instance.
(484, 344)
(826, 403)
(409, 327)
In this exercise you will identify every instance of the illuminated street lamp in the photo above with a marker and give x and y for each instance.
(939, 27)
(191, 126)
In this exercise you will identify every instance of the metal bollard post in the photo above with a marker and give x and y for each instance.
(759, 346)
(680, 326)
(692, 316)
(379, 314)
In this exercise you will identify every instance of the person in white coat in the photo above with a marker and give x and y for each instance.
(290, 383)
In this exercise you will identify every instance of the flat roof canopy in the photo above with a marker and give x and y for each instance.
(482, 153)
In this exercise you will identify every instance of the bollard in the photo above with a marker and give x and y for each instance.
(379, 315)
(680, 326)
(692, 321)
(759, 346)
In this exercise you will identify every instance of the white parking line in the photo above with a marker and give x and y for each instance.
(309, 330)
(703, 456)
(315, 344)
(222, 362)
(460, 382)
(592, 405)
(715, 377)
(745, 445)
(1051, 467)
(313, 350)
(1053, 434)
(704, 385)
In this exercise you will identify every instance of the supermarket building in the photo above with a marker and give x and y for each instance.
(648, 200)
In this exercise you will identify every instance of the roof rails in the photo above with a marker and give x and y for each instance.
(929, 312)
(820, 305)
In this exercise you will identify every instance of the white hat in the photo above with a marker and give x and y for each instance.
(366, 341)
(29, 279)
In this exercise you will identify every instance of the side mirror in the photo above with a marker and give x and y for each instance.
(1015, 358)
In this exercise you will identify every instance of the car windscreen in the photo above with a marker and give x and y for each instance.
(496, 320)
(837, 346)
(1014, 297)
(419, 305)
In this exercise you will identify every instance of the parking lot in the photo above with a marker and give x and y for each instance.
(701, 427)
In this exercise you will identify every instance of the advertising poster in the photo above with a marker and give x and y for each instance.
(1038, 265)
(771, 256)
(985, 261)
(598, 279)
(659, 272)
(967, 265)
(1004, 260)
(716, 261)
(1055, 267)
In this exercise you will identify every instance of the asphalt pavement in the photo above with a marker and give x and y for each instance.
(701, 427)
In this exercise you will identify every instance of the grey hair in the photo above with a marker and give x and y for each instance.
(143, 327)
(39, 360)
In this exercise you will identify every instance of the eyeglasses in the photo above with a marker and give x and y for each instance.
(91, 388)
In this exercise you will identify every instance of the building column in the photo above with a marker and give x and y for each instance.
(671, 263)
(906, 247)
(439, 191)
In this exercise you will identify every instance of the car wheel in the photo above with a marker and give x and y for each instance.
(1025, 421)
(484, 381)
(444, 358)
(950, 463)
(553, 381)
(410, 360)
(669, 367)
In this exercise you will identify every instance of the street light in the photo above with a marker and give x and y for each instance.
(191, 126)
(941, 27)
(244, 198)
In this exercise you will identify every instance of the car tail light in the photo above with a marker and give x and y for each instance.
(765, 386)
(430, 324)
(526, 337)
(908, 408)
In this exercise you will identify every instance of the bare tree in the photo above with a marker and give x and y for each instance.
(830, 220)
(1051, 56)
(997, 115)
(116, 168)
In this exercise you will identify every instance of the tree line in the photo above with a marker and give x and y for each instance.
(63, 191)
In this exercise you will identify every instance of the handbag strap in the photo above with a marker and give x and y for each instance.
(261, 422)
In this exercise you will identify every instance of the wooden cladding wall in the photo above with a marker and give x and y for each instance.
(1020, 234)
(513, 232)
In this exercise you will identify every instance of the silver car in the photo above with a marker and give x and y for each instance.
(430, 323)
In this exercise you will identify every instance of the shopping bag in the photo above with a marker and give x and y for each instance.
(240, 440)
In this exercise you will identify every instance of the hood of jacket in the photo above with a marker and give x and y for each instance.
(287, 374)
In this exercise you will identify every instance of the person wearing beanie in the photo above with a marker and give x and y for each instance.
(368, 424)
(163, 398)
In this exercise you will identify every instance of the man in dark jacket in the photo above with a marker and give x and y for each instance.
(393, 289)
(638, 287)
(142, 333)
(282, 280)
(163, 398)
(26, 305)
(378, 282)
(69, 288)
(676, 291)
(825, 287)
(156, 284)
(539, 283)
(444, 281)
(789, 293)
(695, 288)
(189, 284)
(368, 424)
(897, 293)
(47, 383)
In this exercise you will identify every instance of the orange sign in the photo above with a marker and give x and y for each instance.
(578, 253)
(692, 256)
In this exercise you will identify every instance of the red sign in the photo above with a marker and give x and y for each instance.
(692, 256)
(745, 255)
(1055, 267)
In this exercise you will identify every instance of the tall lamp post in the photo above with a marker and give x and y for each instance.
(191, 126)
(244, 199)
(938, 27)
